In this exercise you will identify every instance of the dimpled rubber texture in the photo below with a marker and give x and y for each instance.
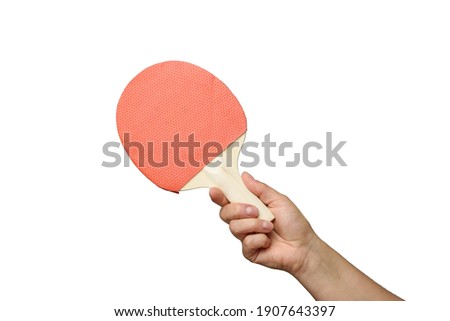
(171, 98)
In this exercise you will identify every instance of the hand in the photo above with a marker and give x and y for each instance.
(290, 244)
(283, 244)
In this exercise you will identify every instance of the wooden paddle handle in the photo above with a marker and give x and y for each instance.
(231, 184)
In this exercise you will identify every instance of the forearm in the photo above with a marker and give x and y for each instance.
(329, 276)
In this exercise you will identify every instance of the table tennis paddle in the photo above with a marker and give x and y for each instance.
(183, 128)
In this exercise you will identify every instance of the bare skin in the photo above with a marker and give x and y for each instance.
(289, 243)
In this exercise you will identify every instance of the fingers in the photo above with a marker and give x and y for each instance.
(242, 218)
(253, 243)
(218, 197)
(235, 211)
(242, 227)
(265, 193)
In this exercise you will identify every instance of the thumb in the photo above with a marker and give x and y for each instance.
(263, 191)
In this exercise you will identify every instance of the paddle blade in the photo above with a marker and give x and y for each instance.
(174, 118)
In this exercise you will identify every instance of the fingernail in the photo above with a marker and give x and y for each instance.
(249, 210)
(267, 225)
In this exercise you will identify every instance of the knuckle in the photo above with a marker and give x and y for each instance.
(227, 212)
(246, 243)
(222, 213)
(232, 227)
(236, 228)
(287, 199)
(283, 197)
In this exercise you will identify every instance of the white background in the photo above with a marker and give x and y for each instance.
(78, 240)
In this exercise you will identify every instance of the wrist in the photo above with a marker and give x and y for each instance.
(326, 275)
(312, 260)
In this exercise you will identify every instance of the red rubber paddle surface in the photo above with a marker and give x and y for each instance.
(169, 102)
